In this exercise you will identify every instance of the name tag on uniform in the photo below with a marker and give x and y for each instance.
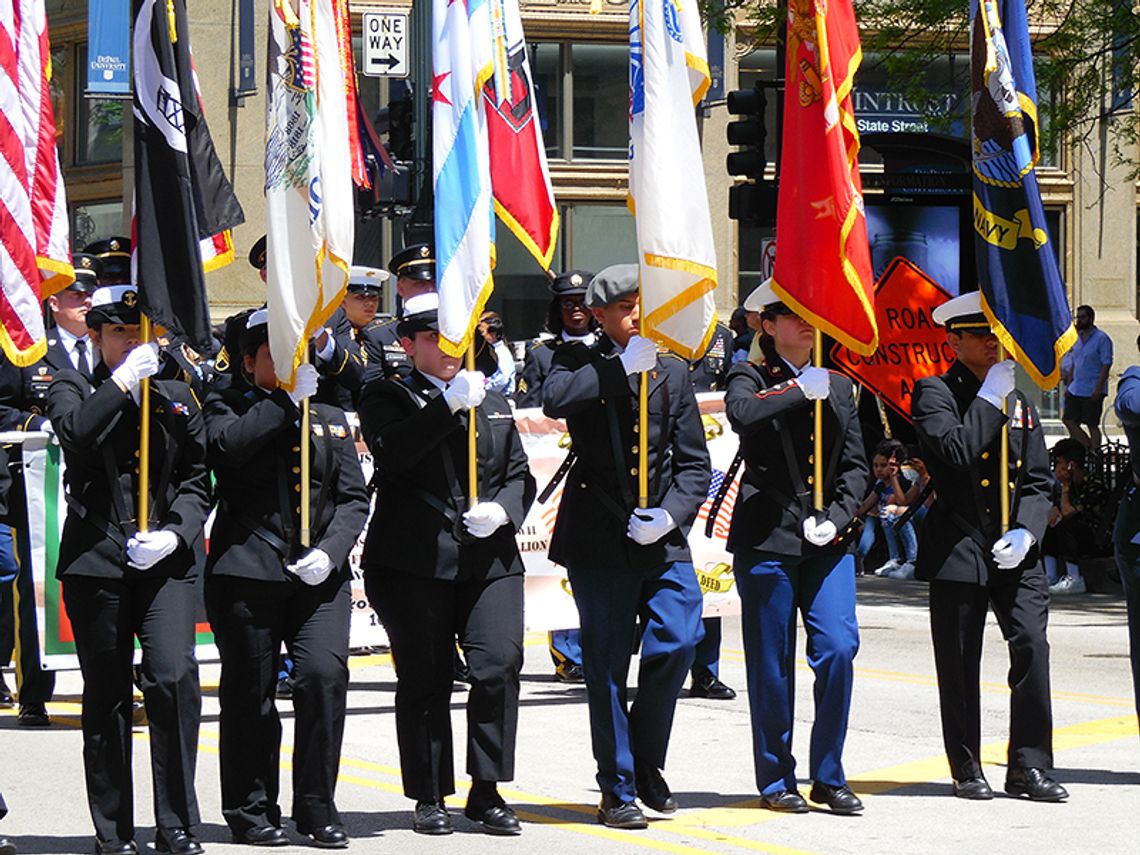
(506, 416)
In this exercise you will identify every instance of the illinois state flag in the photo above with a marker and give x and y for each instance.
(520, 178)
(462, 63)
(311, 130)
(823, 263)
(668, 75)
(35, 261)
(1023, 294)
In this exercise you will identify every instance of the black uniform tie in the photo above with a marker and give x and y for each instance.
(82, 358)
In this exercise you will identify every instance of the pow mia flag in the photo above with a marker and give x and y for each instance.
(182, 195)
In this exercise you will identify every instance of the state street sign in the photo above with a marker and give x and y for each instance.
(385, 36)
(911, 345)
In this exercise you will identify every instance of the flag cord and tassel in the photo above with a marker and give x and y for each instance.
(305, 442)
(817, 431)
(472, 446)
(144, 435)
(1003, 482)
(643, 442)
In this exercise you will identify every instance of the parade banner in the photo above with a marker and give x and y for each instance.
(108, 47)
(1023, 294)
(911, 345)
(548, 601)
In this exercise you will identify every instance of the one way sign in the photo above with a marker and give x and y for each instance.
(385, 43)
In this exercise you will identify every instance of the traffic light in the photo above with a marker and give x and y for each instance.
(401, 134)
(749, 133)
(753, 204)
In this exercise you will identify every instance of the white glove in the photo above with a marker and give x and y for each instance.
(305, 386)
(819, 534)
(485, 519)
(312, 568)
(815, 382)
(1010, 550)
(467, 389)
(640, 354)
(325, 353)
(998, 383)
(140, 362)
(147, 548)
(649, 525)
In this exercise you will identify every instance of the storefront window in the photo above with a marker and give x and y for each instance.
(98, 123)
(546, 67)
(601, 101)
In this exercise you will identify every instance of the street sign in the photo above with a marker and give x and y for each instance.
(911, 345)
(385, 43)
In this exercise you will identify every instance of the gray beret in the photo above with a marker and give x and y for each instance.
(615, 281)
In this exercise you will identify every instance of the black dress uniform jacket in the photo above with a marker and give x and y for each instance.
(535, 369)
(420, 451)
(769, 410)
(99, 431)
(589, 388)
(960, 435)
(342, 375)
(710, 372)
(254, 450)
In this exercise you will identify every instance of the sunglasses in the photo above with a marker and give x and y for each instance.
(570, 304)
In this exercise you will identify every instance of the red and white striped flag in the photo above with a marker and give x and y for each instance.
(35, 260)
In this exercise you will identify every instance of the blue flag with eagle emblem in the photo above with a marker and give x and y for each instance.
(1023, 294)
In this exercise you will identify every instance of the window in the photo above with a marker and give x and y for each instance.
(95, 220)
(98, 122)
(582, 93)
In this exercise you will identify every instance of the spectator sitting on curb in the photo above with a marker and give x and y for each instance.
(1079, 502)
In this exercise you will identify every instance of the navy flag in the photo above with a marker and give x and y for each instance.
(1023, 294)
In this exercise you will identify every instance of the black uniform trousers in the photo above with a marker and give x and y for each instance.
(423, 618)
(19, 628)
(250, 619)
(957, 620)
(105, 615)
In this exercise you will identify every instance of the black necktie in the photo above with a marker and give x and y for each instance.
(81, 357)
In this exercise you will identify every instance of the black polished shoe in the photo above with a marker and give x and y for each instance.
(708, 686)
(570, 674)
(262, 835)
(838, 799)
(330, 836)
(33, 715)
(975, 788)
(614, 813)
(7, 701)
(7, 847)
(495, 818)
(177, 841)
(652, 789)
(431, 818)
(115, 847)
(284, 690)
(1034, 783)
(785, 801)
(138, 714)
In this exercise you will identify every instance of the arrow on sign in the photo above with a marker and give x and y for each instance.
(386, 60)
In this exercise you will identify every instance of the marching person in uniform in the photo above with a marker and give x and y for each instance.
(623, 561)
(414, 269)
(972, 565)
(709, 373)
(119, 583)
(263, 588)
(567, 319)
(788, 558)
(435, 571)
(361, 302)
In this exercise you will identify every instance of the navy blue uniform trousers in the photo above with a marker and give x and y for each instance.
(773, 589)
(667, 600)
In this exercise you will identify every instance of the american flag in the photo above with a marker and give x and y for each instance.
(724, 515)
(36, 261)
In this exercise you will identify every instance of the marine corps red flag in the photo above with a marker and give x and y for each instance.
(520, 178)
(823, 263)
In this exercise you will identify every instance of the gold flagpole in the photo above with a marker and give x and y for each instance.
(817, 432)
(472, 447)
(144, 435)
(1003, 475)
(643, 442)
(305, 442)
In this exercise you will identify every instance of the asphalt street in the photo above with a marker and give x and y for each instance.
(893, 758)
